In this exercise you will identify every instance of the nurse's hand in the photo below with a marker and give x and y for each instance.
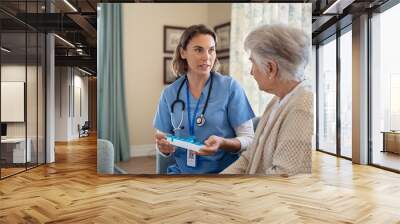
(212, 144)
(163, 145)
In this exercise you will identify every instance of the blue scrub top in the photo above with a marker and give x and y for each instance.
(228, 107)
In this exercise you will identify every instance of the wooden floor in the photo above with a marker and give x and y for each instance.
(387, 159)
(5, 172)
(10, 171)
(70, 191)
(139, 165)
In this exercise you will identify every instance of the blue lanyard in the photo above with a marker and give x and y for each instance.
(191, 121)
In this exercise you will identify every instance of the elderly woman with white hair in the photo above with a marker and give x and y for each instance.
(283, 139)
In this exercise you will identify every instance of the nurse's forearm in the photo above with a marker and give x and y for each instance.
(231, 145)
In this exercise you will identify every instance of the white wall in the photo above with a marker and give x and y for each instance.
(218, 13)
(68, 82)
(61, 103)
(79, 117)
(17, 73)
(143, 59)
(14, 73)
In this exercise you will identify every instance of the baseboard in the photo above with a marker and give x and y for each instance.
(142, 150)
(118, 170)
(66, 138)
(60, 139)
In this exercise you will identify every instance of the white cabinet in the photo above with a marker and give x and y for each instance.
(18, 149)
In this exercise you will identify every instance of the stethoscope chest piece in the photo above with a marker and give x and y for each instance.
(200, 120)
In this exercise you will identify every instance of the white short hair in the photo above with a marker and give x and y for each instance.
(288, 46)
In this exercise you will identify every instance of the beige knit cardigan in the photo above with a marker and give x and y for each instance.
(284, 147)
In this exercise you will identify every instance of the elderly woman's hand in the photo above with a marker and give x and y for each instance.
(212, 144)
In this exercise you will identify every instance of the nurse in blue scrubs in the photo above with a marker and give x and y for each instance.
(204, 105)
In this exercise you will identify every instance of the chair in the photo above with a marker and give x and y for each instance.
(105, 157)
(84, 130)
(162, 163)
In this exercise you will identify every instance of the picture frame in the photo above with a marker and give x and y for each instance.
(172, 35)
(223, 33)
(169, 76)
(224, 65)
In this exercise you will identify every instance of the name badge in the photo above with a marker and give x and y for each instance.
(190, 158)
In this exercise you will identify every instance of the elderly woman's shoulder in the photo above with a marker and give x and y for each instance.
(304, 98)
(307, 90)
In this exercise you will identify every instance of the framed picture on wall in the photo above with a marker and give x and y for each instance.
(169, 76)
(223, 32)
(172, 34)
(224, 65)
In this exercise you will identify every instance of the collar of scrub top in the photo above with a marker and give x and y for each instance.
(178, 100)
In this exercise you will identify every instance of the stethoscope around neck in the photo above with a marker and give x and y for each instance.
(200, 120)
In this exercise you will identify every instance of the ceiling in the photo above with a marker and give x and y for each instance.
(75, 21)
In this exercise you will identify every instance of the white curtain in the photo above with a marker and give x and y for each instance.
(246, 17)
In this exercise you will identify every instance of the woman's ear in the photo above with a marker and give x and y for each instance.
(182, 53)
(272, 69)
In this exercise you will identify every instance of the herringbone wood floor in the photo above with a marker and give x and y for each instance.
(70, 191)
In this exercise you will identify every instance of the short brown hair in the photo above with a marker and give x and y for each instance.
(180, 65)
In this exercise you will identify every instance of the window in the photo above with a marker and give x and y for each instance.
(246, 17)
(346, 94)
(22, 65)
(327, 96)
(385, 89)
